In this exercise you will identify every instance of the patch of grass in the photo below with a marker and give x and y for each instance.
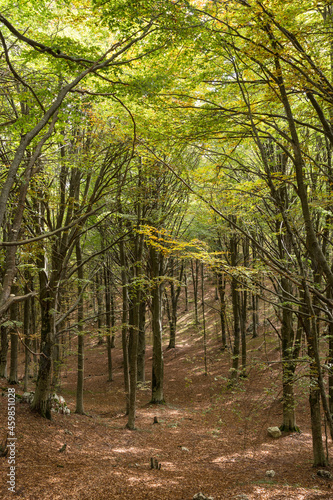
(267, 482)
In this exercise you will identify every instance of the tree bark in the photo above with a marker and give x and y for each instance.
(3, 351)
(142, 342)
(158, 363)
(124, 327)
(80, 339)
(195, 282)
(236, 312)
(13, 375)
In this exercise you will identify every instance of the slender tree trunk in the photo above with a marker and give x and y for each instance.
(142, 342)
(56, 361)
(203, 317)
(221, 289)
(255, 315)
(80, 339)
(158, 363)
(288, 361)
(319, 458)
(4, 351)
(113, 320)
(330, 356)
(236, 313)
(100, 311)
(27, 332)
(195, 281)
(13, 375)
(108, 320)
(134, 321)
(243, 302)
(186, 291)
(124, 327)
(174, 297)
(133, 357)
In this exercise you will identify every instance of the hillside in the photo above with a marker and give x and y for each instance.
(207, 438)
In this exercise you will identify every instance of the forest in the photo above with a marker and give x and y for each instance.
(166, 245)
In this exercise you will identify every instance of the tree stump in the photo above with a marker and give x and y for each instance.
(154, 463)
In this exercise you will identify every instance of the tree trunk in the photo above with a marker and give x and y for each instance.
(186, 291)
(221, 289)
(27, 332)
(236, 313)
(13, 376)
(108, 320)
(80, 339)
(142, 342)
(158, 363)
(124, 327)
(255, 315)
(3, 352)
(100, 317)
(132, 357)
(203, 317)
(174, 297)
(289, 354)
(319, 458)
(243, 302)
(41, 398)
(195, 281)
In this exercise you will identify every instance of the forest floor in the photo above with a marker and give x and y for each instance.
(208, 438)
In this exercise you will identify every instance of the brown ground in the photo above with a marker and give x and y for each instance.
(208, 438)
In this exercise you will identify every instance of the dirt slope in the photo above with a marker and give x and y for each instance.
(207, 438)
